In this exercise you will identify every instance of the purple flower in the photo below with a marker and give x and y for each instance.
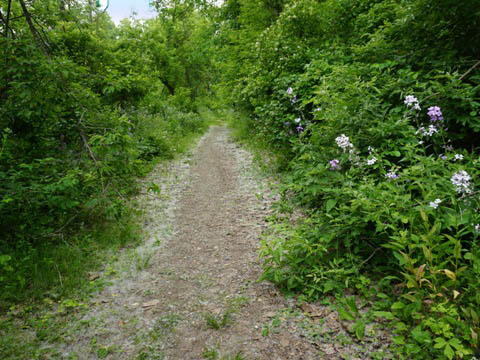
(392, 175)
(294, 99)
(335, 164)
(300, 129)
(435, 114)
(287, 123)
(443, 157)
(289, 91)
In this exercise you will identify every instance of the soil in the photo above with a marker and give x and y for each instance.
(191, 290)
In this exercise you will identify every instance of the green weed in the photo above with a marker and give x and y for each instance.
(219, 322)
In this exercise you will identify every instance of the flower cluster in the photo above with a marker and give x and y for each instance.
(334, 164)
(344, 142)
(458, 157)
(435, 114)
(372, 160)
(412, 101)
(432, 129)
(461, 181)
(434, 204)
(298, 126)
(392, 175)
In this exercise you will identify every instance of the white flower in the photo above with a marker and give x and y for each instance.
(372, 161)
(477, 228)
(461, 181)
(432, 129)
(343, 142)
(458, 157)
(434, 204)
(297, 120)
(412, 101)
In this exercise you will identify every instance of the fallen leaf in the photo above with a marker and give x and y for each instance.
(151, 303)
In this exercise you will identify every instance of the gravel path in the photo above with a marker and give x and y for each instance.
(190, 291)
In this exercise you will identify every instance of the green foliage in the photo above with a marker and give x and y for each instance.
(86, 108)
(322, 69)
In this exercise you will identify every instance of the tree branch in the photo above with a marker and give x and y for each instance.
(36, 36)
(470, 70)
(7, 23)
(6, 20)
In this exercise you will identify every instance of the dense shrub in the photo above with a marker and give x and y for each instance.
(388, 205)
(84, 107)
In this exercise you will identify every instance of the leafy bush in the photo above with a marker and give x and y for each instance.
(85, 108)
(388, 191)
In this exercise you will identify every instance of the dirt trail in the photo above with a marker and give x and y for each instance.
(190, 291)
(213, 257)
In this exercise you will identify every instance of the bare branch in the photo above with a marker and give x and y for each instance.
(36, 36)
(470, 70)
(6, 20)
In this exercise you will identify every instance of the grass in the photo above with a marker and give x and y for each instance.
(213, 354)
(219, 322)
(57, 270)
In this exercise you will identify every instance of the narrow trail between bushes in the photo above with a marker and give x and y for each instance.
(190, 290)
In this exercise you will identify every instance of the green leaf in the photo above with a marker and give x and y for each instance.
(449, 353)
(398, 306)
(384, 314)
(352, 305)
(399, 340)
(359, 328)
(345, 314)
(440, 343)
(331, 204)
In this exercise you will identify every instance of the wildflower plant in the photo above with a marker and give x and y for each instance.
(415, 204)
